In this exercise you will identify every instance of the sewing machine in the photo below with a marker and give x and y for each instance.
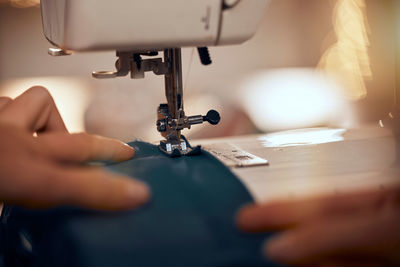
(191, 218)
(137, 29)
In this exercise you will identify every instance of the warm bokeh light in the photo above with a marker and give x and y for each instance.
(348, 59)
(299, 98)
(295, 98)
(302, 137)
(24, 3)
(71, 96)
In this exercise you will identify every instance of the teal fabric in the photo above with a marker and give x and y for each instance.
(190, 221)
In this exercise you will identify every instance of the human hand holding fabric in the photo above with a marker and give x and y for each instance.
(41, 163)
(352, 229)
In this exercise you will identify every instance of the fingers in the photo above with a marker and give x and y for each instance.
(4, 101)
(86, 187)
(83, 147)
(371, 236)
(284, 214)
(34, 111)
(99, 189)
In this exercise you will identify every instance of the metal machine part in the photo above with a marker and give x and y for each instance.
(57, 52)
(171, 116)
(72, 27)
(131, 62)
(233, 156)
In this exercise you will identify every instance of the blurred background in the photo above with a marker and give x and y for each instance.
(311, 63)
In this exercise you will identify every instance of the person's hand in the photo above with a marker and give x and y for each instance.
(352, 229)
(41, 164)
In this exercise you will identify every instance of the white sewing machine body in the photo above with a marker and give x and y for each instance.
(87, 25)
(142, 28)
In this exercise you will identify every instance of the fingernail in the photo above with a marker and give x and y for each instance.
(128, 146)
(138, 192)
(127, 152)
(278, 248)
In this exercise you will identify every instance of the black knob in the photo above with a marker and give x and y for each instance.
(205, 57)
(161, 126)
(212, 117)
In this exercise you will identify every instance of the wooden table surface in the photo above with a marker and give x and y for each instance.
(358, 159)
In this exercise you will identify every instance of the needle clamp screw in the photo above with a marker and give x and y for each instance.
(212, 117)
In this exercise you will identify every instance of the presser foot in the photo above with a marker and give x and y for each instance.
(175, 149)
